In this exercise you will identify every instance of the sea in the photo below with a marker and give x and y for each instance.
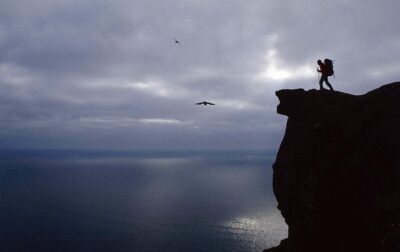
(100, 200)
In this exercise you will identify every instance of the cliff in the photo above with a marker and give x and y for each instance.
(337, 172)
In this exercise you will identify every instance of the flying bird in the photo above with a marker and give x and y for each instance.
(205, 103)
(177, 42)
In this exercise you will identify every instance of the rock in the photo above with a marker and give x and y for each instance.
(337, 172)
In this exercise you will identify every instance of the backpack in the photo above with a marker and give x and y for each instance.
(329, 67)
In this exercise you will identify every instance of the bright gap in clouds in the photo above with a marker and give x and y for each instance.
(126, 121)
(275, 70)
(160, 121)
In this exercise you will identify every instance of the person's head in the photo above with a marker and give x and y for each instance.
(319, 62)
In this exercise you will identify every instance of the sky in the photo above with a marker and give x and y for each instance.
(97, 74)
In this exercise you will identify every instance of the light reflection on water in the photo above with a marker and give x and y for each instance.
(125, 202)
(257, 230)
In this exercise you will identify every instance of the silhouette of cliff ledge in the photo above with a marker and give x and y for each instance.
(337, 172)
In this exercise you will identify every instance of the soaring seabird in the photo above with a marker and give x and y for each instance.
(205, 103)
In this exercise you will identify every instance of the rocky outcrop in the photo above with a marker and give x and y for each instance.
(337, 172)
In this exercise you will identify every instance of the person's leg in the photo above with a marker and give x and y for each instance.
(320, 83)
(328, 84)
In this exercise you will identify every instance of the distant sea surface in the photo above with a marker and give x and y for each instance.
(138, 201)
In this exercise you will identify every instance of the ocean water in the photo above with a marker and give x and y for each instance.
(137, 201)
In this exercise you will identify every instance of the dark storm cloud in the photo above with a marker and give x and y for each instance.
(103, 74)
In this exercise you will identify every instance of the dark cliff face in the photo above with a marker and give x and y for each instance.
(337, 172)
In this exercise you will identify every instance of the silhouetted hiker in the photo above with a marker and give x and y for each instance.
(325, 70)
(205, 103)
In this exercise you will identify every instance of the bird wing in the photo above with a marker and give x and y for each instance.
(199, 103)
(209, 103)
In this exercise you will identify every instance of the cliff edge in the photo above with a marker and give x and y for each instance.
(337, 172)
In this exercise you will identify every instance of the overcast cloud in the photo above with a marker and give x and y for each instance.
(108, 74)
